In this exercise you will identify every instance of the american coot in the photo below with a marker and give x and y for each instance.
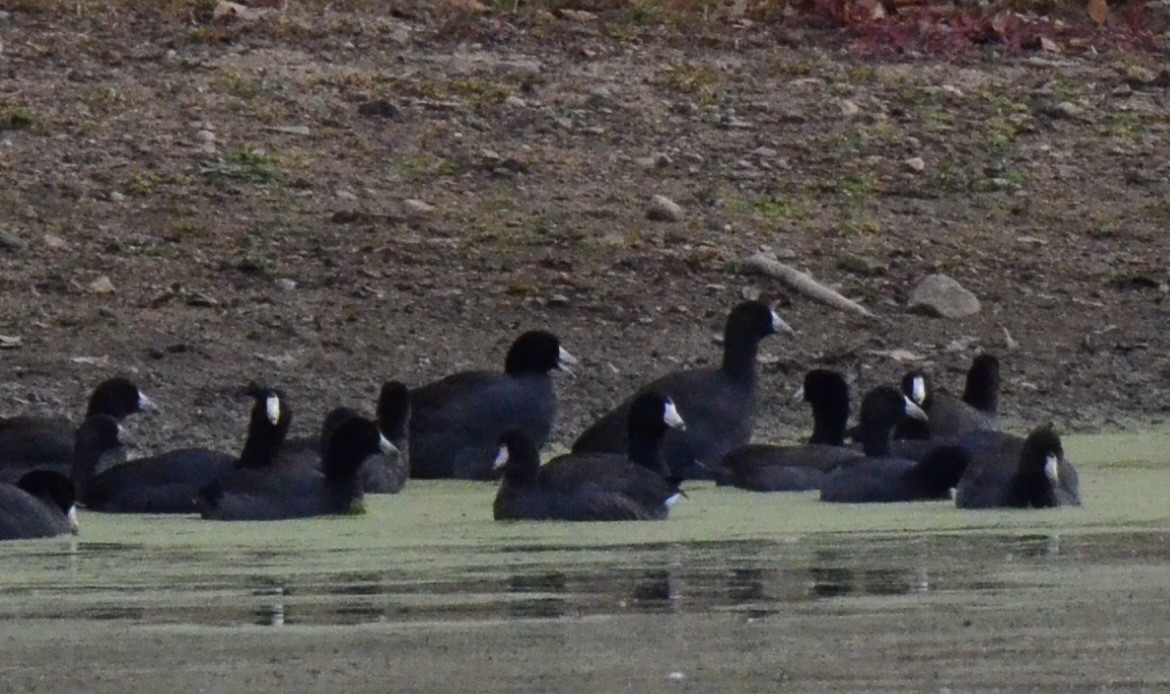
(718, 404)
(1007, 471)
(769, 468)
(880, 477)
(282, 493)
(522, 496)
(168, 482)
(40, 504)
(950, 416)
(456, 422)
(30, 442)
(379, 474)
(640, 475)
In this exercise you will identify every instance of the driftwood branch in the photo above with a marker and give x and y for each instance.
(805, 284)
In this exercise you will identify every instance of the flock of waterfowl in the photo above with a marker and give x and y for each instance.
(910, 443)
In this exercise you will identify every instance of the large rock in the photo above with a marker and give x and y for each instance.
(942, 297)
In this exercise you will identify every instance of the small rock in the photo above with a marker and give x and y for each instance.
(860, 265)
(849, 109)
(1068, 109)
(515, 102)
(11, 243)
(345, 194)
(102, 285)
(289, 129)
(115, 196)
(1009, 342)
(663, 209)
(942, 297)
(205, 140)
(285, 284)
(10, 341)
(1138, 75)
(916, 164)
(558, 300)
(600, 98)
(379, 108)
(201, 300)
(418, 206)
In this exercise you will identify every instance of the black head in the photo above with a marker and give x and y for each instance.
(270, 409)
(651, 415)
(118, 397)
(354, 440)
(982, 388)
(754, 320)
(885, 406)
(1039, 473)
(536, 351)
(824, 386)
(919, 387)
(267, 426)
(50, 486)
(333, 420)
(828, 394)
(518, 457)
(881, 410)
(393, 409)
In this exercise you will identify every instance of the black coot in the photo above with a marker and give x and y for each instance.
(769, 468)
(951, 416)
(456, 422)
(380, 473)
(30, 442)
(40, 504)
(1007, 471)
(718, 404)
(277, 493)
(523, 496)
(640, 475)
(881, 477)
(168, 482)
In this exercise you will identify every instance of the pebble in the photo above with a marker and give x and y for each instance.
(115, 196)
(345, 194)
(102, 285)
(379, 108)
(860, 265)
(515, 102)
(11, 243)
(916, 164)
(663, 209)
(285, 284)
(942, 297)
(289, 129)
(54, 242)
(418, 206)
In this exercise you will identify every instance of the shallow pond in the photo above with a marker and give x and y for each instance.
(735, 591)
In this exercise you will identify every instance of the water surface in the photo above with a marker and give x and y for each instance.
(736, 587)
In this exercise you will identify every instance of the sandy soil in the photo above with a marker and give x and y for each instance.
(326, 199)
